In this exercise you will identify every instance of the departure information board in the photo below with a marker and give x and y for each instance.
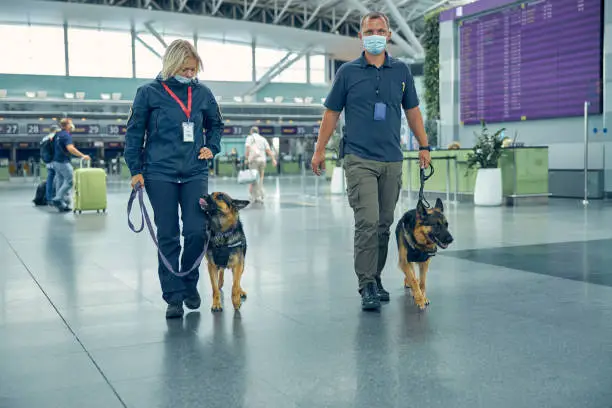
(532, 60)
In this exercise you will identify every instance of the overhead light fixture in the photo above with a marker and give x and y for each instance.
(30, 94)
(237, 98)
(69, 95)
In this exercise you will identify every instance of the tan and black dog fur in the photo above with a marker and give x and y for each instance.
(227, 246)
(419, 234)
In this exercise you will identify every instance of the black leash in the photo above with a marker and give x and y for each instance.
(137, 191)
(424, 178)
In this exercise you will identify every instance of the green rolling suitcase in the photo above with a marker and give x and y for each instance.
(89, 189)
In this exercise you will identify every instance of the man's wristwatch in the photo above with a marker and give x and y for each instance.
(428, 148)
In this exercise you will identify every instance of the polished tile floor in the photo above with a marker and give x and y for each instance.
(521, 312)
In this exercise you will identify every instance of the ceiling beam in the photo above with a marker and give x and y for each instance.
(312, 16)
(339, 22)
(153, 31)
(216, 5)
(250, 9)
(407, 48)
(147, 46)
(428, 10)
(276, 70)
(280, 15)
(405, 28)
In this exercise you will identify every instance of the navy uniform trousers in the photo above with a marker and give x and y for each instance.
(166, 198)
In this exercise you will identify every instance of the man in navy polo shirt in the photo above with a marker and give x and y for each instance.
(373, 90)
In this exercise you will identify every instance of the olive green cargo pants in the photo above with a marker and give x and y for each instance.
(373, 188)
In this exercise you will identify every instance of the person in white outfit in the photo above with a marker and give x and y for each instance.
(256, 149)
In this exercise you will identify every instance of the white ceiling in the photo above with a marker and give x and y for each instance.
(183, 24)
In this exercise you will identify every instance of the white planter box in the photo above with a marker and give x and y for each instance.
(488, 187)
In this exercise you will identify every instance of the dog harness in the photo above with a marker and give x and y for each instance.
(415, 252)
(222, 245)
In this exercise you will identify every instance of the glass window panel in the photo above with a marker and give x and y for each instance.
(296, 73)
(99, 53)
(237, 64)
(317, 76)
(265, 58)
(317, 62)
(148, 65)
(33, 50)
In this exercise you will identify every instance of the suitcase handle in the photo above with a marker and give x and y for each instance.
(82, 160)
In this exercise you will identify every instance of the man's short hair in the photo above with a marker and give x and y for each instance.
(63, 122)
(374, 15)
(254, 129)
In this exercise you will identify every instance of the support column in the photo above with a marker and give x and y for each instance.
(133, 37)
(254, 60)
(66, 56)
(449, 84)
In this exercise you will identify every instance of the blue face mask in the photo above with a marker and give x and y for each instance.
(182, 79)
(375, 44)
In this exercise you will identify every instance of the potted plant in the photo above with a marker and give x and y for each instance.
(485, 158)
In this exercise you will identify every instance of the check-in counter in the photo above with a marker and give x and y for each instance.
(524, 174)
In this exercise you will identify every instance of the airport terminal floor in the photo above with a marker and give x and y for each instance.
(520, 313)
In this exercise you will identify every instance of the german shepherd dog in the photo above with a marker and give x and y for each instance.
(419, 234)
(227, 246)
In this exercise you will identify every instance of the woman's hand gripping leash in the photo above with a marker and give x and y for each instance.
(137, 192)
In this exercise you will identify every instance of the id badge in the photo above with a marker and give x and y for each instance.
(188, 132)
(380, 111)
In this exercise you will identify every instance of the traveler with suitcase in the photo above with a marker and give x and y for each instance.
(173, 130)
(64, 149)
(47, 152)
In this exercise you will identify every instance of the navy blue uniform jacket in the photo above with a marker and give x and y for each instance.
(154, 144)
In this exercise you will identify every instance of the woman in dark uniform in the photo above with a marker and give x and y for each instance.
(173, 130)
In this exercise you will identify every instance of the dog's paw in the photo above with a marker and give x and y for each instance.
(421, 301)
(216, 307)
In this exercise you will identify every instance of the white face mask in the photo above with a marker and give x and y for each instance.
(182, 79)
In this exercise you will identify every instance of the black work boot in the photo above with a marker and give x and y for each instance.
(193, 300)
(369, 297)
(382, 293)
(174, 311)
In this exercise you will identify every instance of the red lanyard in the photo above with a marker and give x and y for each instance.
(187, 109)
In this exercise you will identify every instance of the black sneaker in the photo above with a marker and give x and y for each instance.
(174, 311)
(382, 293)
(369, 297)
(193, 301)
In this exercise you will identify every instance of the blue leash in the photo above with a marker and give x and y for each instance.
(137, 191)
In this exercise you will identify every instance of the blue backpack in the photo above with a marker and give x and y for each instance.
(47, 149)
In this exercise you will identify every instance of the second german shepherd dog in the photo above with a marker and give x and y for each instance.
(419, 234)
(227, 246)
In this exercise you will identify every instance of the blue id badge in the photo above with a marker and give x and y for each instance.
(380, 111)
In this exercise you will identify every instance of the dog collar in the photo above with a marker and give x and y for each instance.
(418, 247)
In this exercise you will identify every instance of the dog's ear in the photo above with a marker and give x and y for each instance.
(421, 211)
(439, 205)
(203, 203)
(240, 204)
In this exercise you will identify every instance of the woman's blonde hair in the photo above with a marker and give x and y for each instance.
(176, 54)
